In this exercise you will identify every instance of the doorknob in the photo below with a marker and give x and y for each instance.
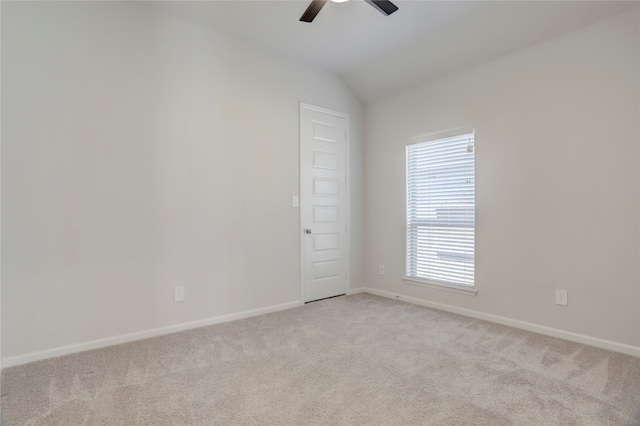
(307, 231)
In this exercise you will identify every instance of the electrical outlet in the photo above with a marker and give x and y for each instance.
(381, 270)
(178, 294)
(561, 297)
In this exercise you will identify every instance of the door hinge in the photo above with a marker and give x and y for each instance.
(345, 227)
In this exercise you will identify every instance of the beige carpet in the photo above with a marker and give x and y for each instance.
(351, 360)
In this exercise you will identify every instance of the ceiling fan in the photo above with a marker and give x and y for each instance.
(384, 6)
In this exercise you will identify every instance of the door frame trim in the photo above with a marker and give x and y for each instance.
(347, 162)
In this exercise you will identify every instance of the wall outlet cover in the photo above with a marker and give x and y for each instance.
(178, 294)
(561, 297)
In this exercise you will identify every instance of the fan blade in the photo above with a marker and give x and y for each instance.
(384, 6)
(313, 9)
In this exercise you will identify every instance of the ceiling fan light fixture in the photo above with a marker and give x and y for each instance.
(384, 6)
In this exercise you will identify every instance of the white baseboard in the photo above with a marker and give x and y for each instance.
(129, 337)
(523, 325)
(139, 335)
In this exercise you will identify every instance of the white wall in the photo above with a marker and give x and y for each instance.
(558, 184)
(141, 152)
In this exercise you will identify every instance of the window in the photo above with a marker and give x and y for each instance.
(441, 213)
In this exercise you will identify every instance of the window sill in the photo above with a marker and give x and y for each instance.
(454, 288)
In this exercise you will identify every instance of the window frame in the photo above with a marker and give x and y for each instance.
(429, 281)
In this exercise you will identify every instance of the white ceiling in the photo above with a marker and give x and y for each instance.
(379, 55)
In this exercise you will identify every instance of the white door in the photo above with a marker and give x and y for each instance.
(323, 202)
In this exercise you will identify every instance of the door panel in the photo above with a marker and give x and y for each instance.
(323, 202)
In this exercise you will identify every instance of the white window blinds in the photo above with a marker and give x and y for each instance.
(441, 211)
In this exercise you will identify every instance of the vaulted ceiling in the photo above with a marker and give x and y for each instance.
(377, 55)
